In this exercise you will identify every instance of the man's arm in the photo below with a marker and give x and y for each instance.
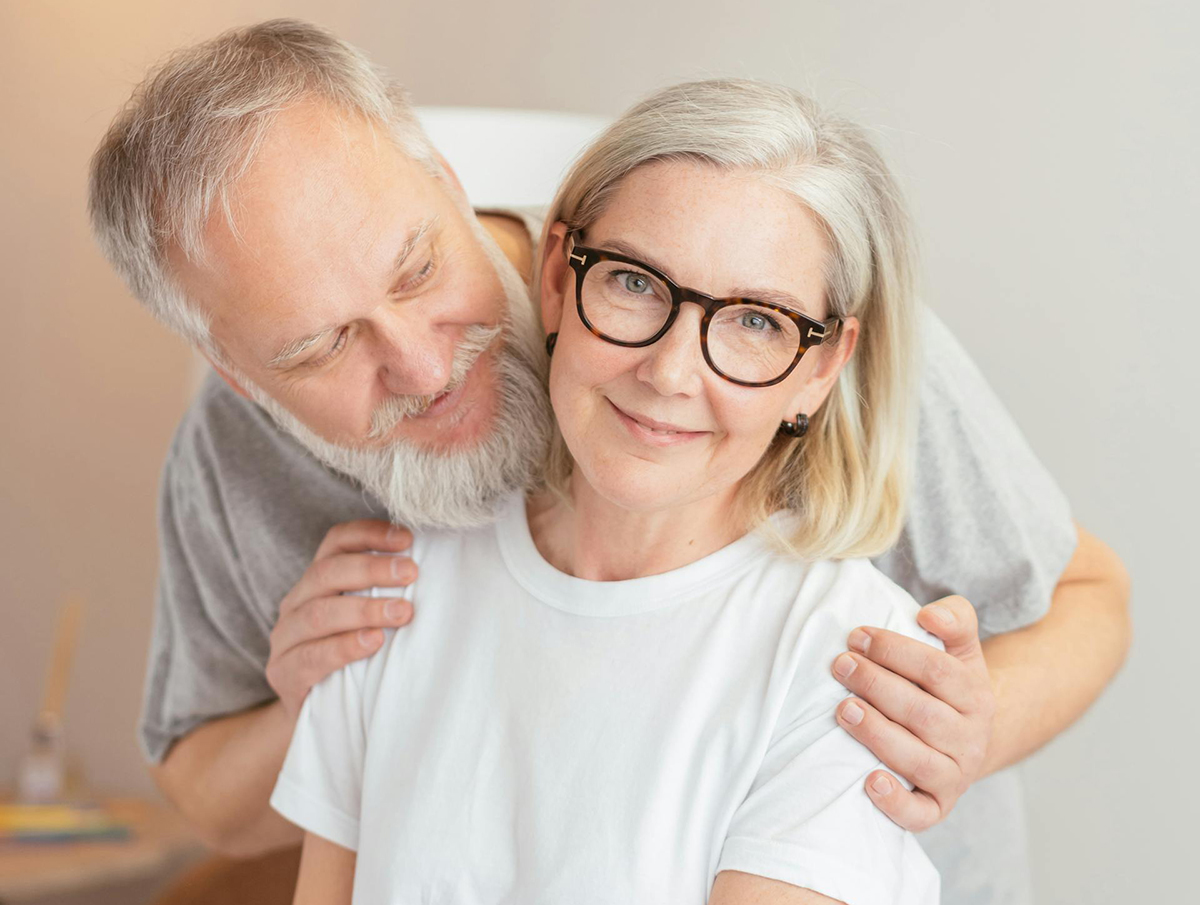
(1045, 676)
(943, 720)
(221, 774)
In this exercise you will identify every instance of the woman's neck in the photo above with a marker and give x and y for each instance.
(595, 539)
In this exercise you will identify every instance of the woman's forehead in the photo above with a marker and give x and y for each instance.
(723, 233)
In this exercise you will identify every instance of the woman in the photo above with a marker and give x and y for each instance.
(620, 693)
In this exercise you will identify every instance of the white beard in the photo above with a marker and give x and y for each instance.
(458, 488)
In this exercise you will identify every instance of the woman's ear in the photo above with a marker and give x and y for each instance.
(832, 358)
(555, 275)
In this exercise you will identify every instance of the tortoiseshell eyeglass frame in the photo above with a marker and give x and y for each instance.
(583, 257)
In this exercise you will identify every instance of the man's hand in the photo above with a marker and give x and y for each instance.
(926, 714)
(320, 630)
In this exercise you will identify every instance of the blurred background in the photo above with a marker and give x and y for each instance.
(1049, 150)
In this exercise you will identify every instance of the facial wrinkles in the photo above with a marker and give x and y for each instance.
(458, 488)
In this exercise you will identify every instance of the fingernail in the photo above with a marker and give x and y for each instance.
(399, 569)
(368, 637)
(940, 614)
(395, 532)
(843, 666)
(852, 714)
(394, 609)
(859, 640)
(882, 785)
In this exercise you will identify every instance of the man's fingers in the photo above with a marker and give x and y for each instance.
(954, 621)
(915, 811)
(294, 673)
(347, 573)
(363, 535)
(899, 749)
(327, 616)
(942, 675)
(932, 720)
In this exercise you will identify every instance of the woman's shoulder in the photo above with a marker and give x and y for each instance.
(840, 595)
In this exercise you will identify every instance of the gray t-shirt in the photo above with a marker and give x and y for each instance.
(243, 509)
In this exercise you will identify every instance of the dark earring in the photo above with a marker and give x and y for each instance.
(795, 428)
(551, 341)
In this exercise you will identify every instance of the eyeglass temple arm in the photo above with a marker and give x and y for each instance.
(830, 330)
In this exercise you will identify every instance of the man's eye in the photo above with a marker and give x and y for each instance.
(419, 277)
(339, 343)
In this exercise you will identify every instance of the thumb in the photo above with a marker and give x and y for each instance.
(953, 620)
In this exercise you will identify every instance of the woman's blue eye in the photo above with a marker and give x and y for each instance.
(634, 282)
(757, 321)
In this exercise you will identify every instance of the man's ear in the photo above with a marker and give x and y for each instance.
(813, 393)
(555, 275)
(227, 377)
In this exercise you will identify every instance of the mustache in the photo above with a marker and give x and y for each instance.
(389, 413)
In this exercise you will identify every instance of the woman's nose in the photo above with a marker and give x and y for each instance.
(675, 364)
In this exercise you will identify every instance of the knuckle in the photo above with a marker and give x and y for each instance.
(322, 570)
(311, 662)
(317, 617)
(921, 717)
(925, 771)
(867, 680)
(936, 668)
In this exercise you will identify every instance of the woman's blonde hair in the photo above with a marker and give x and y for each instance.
(847, 478)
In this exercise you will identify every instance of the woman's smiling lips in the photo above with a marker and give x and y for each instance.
(654, 433)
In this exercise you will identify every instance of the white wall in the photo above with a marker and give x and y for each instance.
(1049, 150)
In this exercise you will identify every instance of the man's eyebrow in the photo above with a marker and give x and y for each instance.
(771, 296)
(298, 346)
(415, 235)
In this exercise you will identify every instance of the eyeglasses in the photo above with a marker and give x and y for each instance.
(628, 303)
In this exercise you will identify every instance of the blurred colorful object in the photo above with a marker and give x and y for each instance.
(59, 823)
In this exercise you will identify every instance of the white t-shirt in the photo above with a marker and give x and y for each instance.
(532, 737)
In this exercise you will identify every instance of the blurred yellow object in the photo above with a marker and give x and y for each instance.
(58, 823)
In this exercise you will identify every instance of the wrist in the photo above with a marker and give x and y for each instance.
(997, 756)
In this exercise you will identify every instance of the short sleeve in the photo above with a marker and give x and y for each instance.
(320, 786)
(205, 657)
(985, 520)
(807, 819)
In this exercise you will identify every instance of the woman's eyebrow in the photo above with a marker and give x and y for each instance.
(622, 247)
(771, 296)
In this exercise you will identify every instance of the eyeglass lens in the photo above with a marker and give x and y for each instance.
(746, 342)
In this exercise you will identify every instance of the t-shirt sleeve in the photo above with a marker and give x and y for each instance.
(807, 819)
(986, 520)
(208, 645)
(320, 786)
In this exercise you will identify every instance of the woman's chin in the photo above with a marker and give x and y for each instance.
(648, 488)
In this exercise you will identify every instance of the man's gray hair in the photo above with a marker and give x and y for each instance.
(193, 126)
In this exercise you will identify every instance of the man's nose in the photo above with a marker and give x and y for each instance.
(676, 363)
(415, 361)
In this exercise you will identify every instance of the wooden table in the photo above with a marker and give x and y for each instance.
(158, 841)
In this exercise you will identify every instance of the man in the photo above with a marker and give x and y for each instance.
(270, 197)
